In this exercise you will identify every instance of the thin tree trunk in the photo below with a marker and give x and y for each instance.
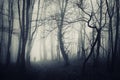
(30, 36)
(116, 36)
(10, 20)
(65, 56)
(99, 35)
(98, 49)
(110, 11)
(60, 35)
(79, 47)
(20, 35)
(22, 56)
(1, 39)
(91, 51)
(58, 50)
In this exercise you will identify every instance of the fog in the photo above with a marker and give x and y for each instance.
(59, 39)
(70, 36)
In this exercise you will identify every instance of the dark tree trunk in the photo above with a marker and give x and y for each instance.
(91, 51)
(22, 56)
(98, 50)
(30, 36)
(110, 11)
(25, 30)
(110, 43)
(63, 52)
(116, 36)
(19, 51)
(99, 34)
(79, 43)
(83, 43)
(58, 50)
(10, 20)
(20, 35)
(93, 39)
(60, 33)
(2, 27)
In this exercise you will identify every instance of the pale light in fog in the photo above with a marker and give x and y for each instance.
(37, 49)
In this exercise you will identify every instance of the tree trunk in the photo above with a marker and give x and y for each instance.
(79, 47)
(1, 39)
(98, 50)
(30, 36)
(116, 36)
(110, 11)
(20, 36)
(91, 51)
(10, 20)
(58, 50)
(65, 56)
(60, 35)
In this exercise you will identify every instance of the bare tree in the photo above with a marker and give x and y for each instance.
(1, 29)
(20, 36)
(24, 20)
(63, 6)
(110, 10)
(10, 21)
(31, 34)
(116, 35)
(98, 29)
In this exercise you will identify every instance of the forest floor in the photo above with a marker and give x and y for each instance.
(54, 70)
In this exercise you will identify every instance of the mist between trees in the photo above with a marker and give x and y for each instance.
(37, 31)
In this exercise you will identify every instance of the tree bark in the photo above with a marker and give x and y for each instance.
(2, 34)
(60, 35)
(116, 36)
(91, 51)
(10, 21)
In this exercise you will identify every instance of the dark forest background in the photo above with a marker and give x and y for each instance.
(79, 39)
